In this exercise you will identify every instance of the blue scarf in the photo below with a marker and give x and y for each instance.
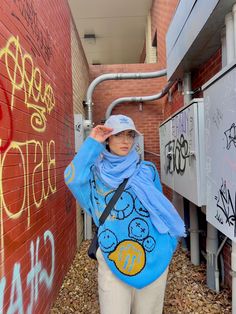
(113, 169)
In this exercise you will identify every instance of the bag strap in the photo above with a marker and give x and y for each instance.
(112, 201)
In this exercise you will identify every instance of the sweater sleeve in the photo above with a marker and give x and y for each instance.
(78, 173)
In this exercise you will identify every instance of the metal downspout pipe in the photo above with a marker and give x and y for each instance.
(89, 122)
(194, 228)
(115, 76)
(211, 249)
(217, 272)
(229, 22)
(138, 99)
(179, 201)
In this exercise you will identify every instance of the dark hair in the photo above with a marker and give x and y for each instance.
(107, 146)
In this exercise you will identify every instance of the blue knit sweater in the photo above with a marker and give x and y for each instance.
(132, 248)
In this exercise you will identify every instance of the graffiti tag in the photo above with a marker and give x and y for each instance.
(227, 207)
(176, 153)
(230, 135)
(40, 41)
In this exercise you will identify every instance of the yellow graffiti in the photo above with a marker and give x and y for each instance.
(129, 257)
(37, 166)
(47, 160)
(28, 168)
(26, 77)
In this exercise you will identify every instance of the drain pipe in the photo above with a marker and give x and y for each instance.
(217, 273)
(229, 37)
(194, 228)
(187, 88)
(138, 99)
(181, 203)
(211, 249)
(88, 124)
(177, 199)
(115, 76)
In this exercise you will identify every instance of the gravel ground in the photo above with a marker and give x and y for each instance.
(186, 288)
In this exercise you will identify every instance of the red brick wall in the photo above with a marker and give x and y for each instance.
(206, 71)
(147, 120)
(37, 224)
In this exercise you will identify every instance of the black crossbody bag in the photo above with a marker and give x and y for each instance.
(92, 250)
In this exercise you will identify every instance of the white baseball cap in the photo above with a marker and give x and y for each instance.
(120, 123)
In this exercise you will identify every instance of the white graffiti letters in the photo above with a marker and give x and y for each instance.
(16, 300)
(2, 289)
(37, 275)
(44, 277)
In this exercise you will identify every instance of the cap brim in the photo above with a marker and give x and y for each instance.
(125, 129)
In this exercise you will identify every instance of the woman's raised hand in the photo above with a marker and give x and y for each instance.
(100, 133)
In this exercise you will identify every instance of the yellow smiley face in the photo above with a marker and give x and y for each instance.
(129, 257)
(70, 173)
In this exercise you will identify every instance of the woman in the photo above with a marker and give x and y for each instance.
(138, 238)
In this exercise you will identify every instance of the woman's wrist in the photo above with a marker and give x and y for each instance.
(100, 133)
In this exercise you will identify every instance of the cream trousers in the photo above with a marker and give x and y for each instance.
(116, 297)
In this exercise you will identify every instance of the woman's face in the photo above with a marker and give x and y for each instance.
(121, 143)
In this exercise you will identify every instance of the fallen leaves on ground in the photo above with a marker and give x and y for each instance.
(186, 290)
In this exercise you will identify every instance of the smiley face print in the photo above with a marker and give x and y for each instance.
(149, 244)
(138, 229)
(124, 206)
(140, 209)
(107, 241)
(129, 257)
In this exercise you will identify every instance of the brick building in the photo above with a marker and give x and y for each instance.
(44, 79)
